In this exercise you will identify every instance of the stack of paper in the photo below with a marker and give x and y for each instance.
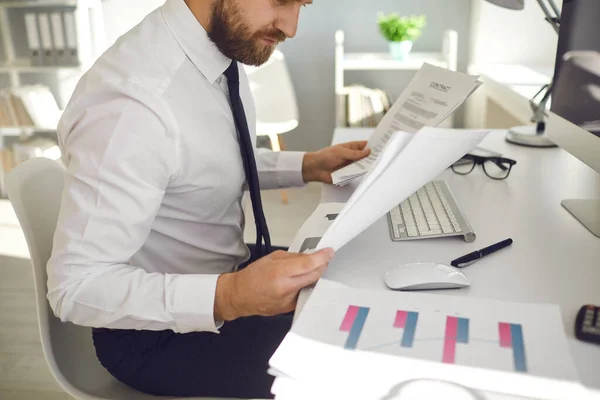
(429, 99)
(360, 344)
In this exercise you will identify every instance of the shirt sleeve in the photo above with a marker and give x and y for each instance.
(120, 158)
(279, 169)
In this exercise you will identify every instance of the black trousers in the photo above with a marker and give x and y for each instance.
(201, 364)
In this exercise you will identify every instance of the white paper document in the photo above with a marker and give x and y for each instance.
(432, 95)
(407, 163)
(364, 344)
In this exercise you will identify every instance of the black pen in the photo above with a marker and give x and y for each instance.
(477, 255)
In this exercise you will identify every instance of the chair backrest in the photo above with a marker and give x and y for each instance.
(35, 191)
(274, 94)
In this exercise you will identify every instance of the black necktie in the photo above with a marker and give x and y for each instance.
(247, 149)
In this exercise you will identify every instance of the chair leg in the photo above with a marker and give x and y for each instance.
(281, 142)
(276, 145)
(274, 138)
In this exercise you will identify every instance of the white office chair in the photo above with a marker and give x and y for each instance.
(35, 190)
(275, 100)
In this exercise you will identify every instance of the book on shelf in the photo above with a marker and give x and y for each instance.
(29, 106)
(359, 106)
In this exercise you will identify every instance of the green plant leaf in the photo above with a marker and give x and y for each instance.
(396, 28)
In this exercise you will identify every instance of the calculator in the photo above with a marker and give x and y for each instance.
(587, 324)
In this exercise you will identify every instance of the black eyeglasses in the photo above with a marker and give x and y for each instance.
(495, 167)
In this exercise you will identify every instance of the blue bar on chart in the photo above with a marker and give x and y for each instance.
(353, 322)
(518, 345)
(407, 320)
(511, 337)
(462, 336)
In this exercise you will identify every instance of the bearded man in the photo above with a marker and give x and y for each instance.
(159, 143)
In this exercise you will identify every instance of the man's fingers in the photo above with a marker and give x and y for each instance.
(358, 145)
(306, 263)
(355, 155)
(302, 281)
(281, 255)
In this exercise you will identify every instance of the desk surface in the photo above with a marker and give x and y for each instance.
(554, 259)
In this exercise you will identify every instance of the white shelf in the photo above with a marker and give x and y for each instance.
(385, 62)
(40, 3)
(446, 58)
(25, 66)
(90, 38)
(18, 130)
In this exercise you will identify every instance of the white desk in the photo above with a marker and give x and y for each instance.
(554, 259)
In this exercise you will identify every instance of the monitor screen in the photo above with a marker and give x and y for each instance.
(576, 92)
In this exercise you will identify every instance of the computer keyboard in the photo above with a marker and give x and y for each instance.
(431, 212)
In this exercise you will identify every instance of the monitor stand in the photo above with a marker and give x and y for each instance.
(587, 212)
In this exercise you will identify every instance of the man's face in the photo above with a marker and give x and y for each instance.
(249, 30)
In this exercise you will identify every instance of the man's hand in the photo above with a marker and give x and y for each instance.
(269, 286)
(318, 166)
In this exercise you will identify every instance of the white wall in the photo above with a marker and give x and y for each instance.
(122, 15)
(502, 36)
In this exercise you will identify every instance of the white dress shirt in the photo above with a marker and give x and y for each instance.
(151, 212)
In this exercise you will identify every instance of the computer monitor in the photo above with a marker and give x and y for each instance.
(574, 120)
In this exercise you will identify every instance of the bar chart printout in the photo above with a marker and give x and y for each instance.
(353, 323)
(511, 337)
(457, 331)
(407, 320)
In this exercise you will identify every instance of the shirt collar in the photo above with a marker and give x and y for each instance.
(194, 40)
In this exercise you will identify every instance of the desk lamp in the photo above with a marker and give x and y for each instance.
(534, 135)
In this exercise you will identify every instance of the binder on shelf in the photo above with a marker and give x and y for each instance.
(46, 39)
(58, 35)
(33, 39)
(71, 36)
(359, 106)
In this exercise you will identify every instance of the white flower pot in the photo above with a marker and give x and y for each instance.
(400, 50)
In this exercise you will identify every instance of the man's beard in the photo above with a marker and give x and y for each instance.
(233, 36)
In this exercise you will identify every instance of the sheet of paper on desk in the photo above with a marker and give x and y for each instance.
(432, 95)
(407, 163)
(364, 344)
(310, 233)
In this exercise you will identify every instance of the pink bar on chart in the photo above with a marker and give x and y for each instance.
(505, 335)
(450, 340)
(349, 319)
(400, 319)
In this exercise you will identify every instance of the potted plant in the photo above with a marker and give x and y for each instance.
(400, 32)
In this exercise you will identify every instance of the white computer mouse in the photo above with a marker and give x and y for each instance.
(425, 276)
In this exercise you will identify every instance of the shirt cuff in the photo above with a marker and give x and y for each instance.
(289, 169)
(191, 302)
(280, 169)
